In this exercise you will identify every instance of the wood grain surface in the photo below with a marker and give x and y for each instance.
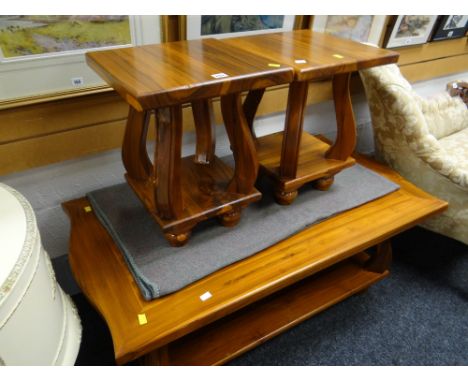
(314, 55)
(153, 76)
(104, 278)
(228, 338)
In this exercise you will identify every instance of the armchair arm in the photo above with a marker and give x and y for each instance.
(406, 119)
(400, 120)
(444, 115)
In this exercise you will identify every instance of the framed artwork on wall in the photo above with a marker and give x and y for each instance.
(223, 26)
(42, 56)
(41, 36)
(362, 28)
(451, 26)
(411, 30)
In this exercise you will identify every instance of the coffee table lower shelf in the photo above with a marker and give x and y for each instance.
(233, 335)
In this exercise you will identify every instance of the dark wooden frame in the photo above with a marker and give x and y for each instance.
(395, 24)
(440, 33)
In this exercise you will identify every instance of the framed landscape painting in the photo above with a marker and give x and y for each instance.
(25, 36)
(361, 28)
(41, 54)
(452, 26)
(222, 26)
(411, 30)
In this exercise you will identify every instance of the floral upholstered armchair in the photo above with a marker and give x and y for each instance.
(425, 140)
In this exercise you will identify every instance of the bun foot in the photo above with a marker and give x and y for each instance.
(177, 240)
(230, 219)
(323, 184)
(285, 198)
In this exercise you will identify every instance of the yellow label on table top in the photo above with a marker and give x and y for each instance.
(142, 320)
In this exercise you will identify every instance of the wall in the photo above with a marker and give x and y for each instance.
(47, 187)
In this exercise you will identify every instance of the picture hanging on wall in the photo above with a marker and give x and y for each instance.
(362, 28)
(452, 26)
(44, 55)
(25, 36)
(411, 30)
(223, 26)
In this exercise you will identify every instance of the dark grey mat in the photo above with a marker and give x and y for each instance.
(160, 269)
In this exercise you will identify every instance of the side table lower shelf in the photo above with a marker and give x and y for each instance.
(312, 163)
(204, 195)
(232, 336)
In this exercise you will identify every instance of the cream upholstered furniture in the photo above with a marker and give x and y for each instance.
(425, 140)
(39, 324)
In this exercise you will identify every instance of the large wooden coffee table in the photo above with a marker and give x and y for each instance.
(251, 300)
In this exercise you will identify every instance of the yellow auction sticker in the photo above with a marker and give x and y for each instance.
(142, 320)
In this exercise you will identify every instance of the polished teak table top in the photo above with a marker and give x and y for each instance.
(314, 55)
(158, 75)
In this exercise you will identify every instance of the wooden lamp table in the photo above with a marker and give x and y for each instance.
(178, 192)
(251, 300)
(294, 157)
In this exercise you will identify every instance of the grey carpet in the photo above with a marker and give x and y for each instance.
(160, 269)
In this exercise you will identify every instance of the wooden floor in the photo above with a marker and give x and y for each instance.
(251, 300)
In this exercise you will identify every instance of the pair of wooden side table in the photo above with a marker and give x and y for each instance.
(180, 192)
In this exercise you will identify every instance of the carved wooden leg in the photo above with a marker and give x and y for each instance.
(245, 155)
(134, 155)
(250, 107)
(231, 218)
(204, 126)
(167, 161)
(346, 126)
(178, 239)
(323, 184)
(285, 198)
(297, 98)
(158, 357)
(380, 262)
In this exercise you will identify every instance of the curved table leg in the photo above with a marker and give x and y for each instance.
(297, 98)
(134, 155)
(250, 107)
(245, 155)
(346, 127)
(204, 126)
(167, 161)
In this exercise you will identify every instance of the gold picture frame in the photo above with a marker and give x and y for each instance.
(174, 27)
(368, 29)
(45, 78)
